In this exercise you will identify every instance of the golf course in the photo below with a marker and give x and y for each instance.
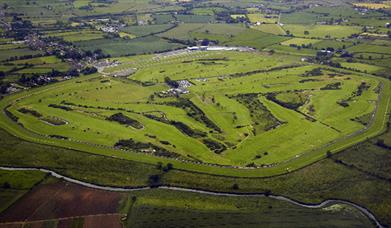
(195, 113)
(241, 113)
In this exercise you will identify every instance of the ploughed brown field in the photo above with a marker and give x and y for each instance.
(66, 204)
(87, 221)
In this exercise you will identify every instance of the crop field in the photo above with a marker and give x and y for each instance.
(65, 200)
(266, 111)
(262, 18)
(372, 5)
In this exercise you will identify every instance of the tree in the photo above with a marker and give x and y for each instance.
(235, 186)
(171, 82)
(6, 185)
(306, 33)
(205, 42)
(380, 142)
(159, 165)
(154, 180)
(268, 192)
(168, 167)
(73, 73)
(89, 70)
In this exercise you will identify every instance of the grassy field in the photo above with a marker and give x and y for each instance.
(145, 30)
(175, 208)
(325, 178)
(362, 67)
(277, 119)
(184, 31)
(195, 18)
(262, 18)
(157, 207)
(300, 41)
(224, 34)
(284, 49)
(118, 47)
(368, 48)
(321, 31)
(270, 28)
(74, 36)
(18, 52)
(241, 134)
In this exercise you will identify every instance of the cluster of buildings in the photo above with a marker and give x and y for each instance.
(108, 25)
(218, 48)
(181, 89)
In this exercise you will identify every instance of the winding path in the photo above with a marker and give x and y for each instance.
(325, 203)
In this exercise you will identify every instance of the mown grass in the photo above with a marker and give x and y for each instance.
(88, 112)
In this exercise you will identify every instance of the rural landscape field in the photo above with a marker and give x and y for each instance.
(195, 113)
